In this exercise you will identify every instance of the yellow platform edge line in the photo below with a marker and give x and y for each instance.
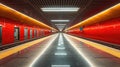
(13, 50)
(109, 50)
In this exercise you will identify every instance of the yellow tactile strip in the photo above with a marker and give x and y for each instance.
(109, 50)
(10, 51)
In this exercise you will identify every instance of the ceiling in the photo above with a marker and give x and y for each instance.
(87, 8)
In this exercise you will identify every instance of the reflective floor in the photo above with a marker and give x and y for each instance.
(61, 53)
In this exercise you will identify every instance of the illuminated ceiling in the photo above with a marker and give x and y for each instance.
(87, 8)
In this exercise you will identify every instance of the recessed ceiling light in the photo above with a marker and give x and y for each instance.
(60, 20)
(60, 66)
(60, 24)
(60, 9)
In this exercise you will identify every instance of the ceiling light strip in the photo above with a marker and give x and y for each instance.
(60, 20)
(11, 13)
(110, 13)
(60, 9)
(60, 24)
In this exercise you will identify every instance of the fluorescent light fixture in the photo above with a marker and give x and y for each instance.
(60, 9)
(60, 65)
(60, 24)
(60, 20)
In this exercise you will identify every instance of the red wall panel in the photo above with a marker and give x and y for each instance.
(21, 33)
(28, 32)
(7, 33)
(108, 31)
(8, 30)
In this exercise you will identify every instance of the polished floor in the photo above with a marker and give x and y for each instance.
(60, 52)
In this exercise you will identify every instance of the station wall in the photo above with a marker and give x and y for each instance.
(7, 31)
(108, 31)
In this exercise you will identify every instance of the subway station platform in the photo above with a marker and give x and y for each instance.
(59, 33)
(60, 50)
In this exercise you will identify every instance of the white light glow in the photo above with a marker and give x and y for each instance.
(60, 9)
(80, 52)
(60, 20)
(61, 24)
(60, 41)
(60, 65)
(60, 53)
(61, 48)
(41, 53)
